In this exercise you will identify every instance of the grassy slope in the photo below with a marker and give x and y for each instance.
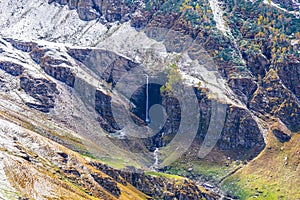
(274, 174)
(62, 186)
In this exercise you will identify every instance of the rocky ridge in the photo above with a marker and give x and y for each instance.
(259, 86)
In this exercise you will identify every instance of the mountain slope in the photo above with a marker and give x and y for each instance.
(63, 64)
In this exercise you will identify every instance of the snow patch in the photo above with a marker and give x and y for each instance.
(36, 19)
(295, 3)
(218, 17)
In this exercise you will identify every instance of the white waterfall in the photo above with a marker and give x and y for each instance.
(156, 155)
(147, 100)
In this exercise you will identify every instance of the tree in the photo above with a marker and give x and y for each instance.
(174, 81)
(198, 7)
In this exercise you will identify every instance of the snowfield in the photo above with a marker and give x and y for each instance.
(36, 19)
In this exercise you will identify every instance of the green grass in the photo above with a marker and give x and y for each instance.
(211, 171)
(164, 175)
(117, 163)
(232, 186)
(274, 174)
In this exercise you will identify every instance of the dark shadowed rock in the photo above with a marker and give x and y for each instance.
(241, 133)
(281, 136)
(36, 54)
(62, 74)
(257, 63)
(106, 64)
(11, 68)
(155, 187)
(108, 184)
(42, 90)
(59, 69)
(243, 87)
(103, 107)
(289, 73)
(23, 46)
(274, 98)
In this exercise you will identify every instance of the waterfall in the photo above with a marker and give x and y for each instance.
(147, 100)
(156, 159)
(156, 156)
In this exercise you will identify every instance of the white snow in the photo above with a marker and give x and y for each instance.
(218, 17)
(295, 12)
(36, 19)
(193, 72)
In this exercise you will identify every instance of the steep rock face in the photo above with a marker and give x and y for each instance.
(103, 107)
(244, 88)
(241, 133)
(60, 69)
(290, 75)
(20, 45)
(108, 184)
(241, 137)
(80, 54)
(274, 98)
(280, 131)
(57, 69)
(156, 187)
(11, 68)
(111, 10)
(282, 136)
(257, 63)
(36, 54)
(109, 66)
(42, 90)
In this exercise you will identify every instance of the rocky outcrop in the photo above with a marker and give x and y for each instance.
(241, 134)
(59, 69)
(257, 63)
(282, 136)
(243, 87)
(290, 75)
(111, 10)
(21, 45)
(11, 68)
(42, 90)
(36, 54)
(274, 98)
(111, 66)
(108, 184)
(103, 107)
(82, 55)
(280, 131)
(240, 137)
(156, 187)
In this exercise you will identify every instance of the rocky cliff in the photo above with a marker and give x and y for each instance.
(60, 77)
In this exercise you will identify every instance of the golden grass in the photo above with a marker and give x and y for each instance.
(274, 174)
